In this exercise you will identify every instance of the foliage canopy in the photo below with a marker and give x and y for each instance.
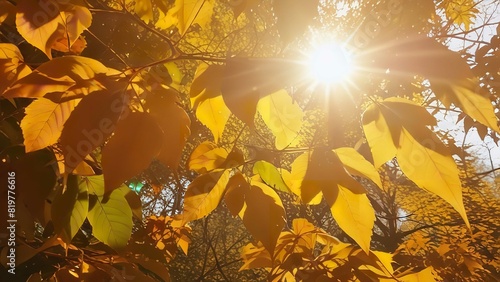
(139, 130)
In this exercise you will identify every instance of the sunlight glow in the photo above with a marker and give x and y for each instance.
(329, 64)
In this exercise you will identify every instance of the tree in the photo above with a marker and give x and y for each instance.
(133, 132)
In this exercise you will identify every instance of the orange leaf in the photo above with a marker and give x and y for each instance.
(12, 66)
(90, 124)
(44, 122)
(136, 141)
(74, 75)
(174, 122)
(42, 23)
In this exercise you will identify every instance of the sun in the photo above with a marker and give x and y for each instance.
(329, 63)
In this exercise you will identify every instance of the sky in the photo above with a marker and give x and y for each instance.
(480, 148)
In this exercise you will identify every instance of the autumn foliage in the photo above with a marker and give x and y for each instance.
(186, 138)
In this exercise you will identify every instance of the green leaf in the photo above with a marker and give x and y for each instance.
(69, 209)
(270, 175)
(111, 220)
(282, 116)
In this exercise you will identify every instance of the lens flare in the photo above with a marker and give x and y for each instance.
(329, 64)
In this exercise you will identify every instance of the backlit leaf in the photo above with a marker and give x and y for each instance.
(7, 11)
(111, 220)
(186, 13)
(214, 114)
(466, 96)
(461, 12)
(207, 157)
(236, 189)
(206, 83)
(73, 74)
(357, 165)
(246, 80)
(69, 209)
(144, 9)
(89, 125)
(270, 175)
(282, 116)
(174, 122)
(378, 135)
(12, 66)
(263, 215)
(353, 213)
(43, 23)
(423, 158)
(204, 194)
(432, 170)
(421, 276)
(44, 122)
(137, 139)
(297, 174)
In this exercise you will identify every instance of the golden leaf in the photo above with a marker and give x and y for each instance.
(12, 66)
(207, 157)
(43, 23)
(214, 114)
(203, 195)
(137, 139)
(43, 123)
(353, 213)
(282, 116)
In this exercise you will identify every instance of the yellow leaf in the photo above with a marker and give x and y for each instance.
(137, 139)
(72, 75)
(357, 165)
(206, 83)
(475, 105)
(422, 276)
(43, 123)
(282, 116)
(214, 114)
(353, 213)
(186, 13)
(43, 23)
(263, 215)
(296, 177)
(12, 66)
(7, 11)
(423, 158)
(378, 136)
(434, 171)
(203, 195)
(461, 12)
(144, 9)
(207, 157)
